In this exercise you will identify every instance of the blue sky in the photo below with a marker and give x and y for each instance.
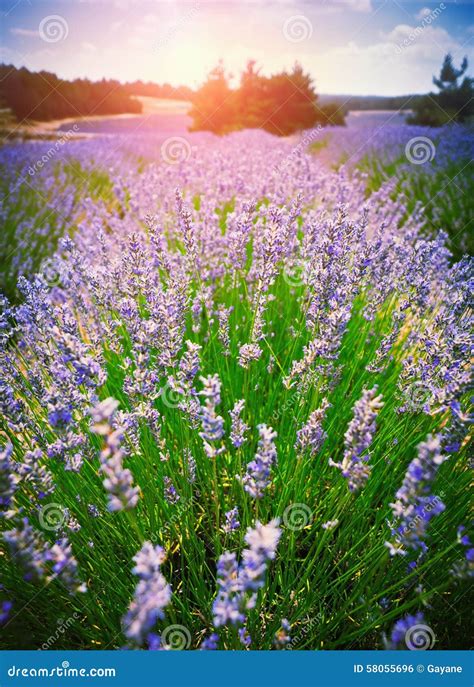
(385, 47)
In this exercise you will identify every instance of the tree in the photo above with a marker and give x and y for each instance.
(281, 104)
(214, 104)
(453, 103)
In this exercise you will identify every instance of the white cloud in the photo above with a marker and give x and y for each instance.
(24, 32)
(397, 64)
(424, 12)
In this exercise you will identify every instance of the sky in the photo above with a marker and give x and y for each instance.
(377, 47)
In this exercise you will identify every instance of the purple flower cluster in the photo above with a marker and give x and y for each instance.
(212, 423)
(415, 505)
(257, 475)
(42, 561)
(312, 436)
(464, 569)
(238, 426)
(118, 480)
(151, 596)
(357, 439)
(238, 584)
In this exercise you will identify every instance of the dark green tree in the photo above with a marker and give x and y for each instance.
(453, 103)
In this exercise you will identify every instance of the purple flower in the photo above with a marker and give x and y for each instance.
(152, 594)
(210, 643)
(212, 423)
(238, 584)
(8, 478)
(171, 494)
(231, 520)
(311, 436)
(257, 476)
(404, 633)
(358, 438)
(5, 609)
(282, 637)
(415, 505)
(464, 568)
(118, 480)
(238, 427)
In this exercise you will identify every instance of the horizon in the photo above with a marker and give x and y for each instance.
(364, 48)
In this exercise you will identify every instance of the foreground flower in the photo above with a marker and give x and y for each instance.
(151, 596)
(42, 561)
(401, 632)
(118, 480)
(238, 584)
(415, 505)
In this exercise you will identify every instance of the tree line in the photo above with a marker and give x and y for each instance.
(43, 96)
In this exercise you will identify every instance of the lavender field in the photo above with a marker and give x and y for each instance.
(236, 389)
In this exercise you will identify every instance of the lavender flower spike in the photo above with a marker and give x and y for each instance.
(151, 596)
(118, 480)
(212, 423)
(415, 505)
(238, 428)
(358, 438)
(257, 477)
(238, 584)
